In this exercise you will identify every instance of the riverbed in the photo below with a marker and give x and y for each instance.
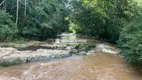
(102, 63)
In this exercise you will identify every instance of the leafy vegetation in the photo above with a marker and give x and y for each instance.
(38, 19)
(84, 47)
(7, 27)
(131, 42)
(102, 19)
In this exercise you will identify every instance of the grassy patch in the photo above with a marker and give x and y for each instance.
(19, 41)
(84, 47)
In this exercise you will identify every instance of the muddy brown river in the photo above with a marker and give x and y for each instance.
(101, 64)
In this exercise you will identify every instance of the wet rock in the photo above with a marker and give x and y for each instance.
(73, 51)
(1, 60)
(69, 48)
(82, 53)
(19, 57)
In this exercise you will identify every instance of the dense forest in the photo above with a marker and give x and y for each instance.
(115, 21)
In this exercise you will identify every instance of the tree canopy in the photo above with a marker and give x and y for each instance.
(39, 19)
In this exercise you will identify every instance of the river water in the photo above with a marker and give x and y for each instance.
(102, 64)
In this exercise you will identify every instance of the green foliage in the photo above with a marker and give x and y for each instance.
(44, 19)
(7, 28)
(84, 47)
(19, 40)
(74, 28)
(131, 42)
(114, 28)
(100, 18)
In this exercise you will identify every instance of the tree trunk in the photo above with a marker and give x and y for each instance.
(17, 12)
(2, 5)
(5, 6)
(25, 9)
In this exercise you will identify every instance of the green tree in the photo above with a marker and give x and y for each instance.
(39, 19)
(130, 42)
(8, 29)
(100, 18)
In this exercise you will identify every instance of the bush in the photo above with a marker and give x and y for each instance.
(7, 27)
(74, 28)
(131, 43)
(113, 29)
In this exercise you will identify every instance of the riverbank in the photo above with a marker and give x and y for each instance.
(34, 51)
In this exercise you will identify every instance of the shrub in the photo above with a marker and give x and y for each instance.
(74, 28)
(131, 43)
(7, 27)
